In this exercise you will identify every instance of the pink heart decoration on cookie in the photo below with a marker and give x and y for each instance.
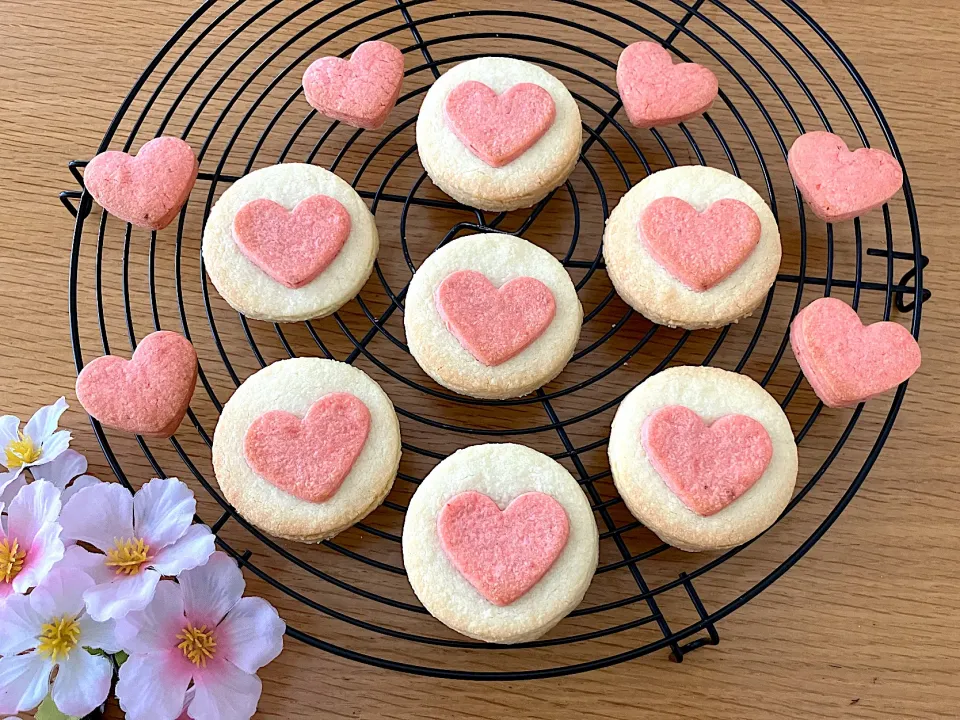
(837, 183)
(706, 466)
(146, 395)
(656, 92)
(360, 91)
(309, 458)
(147, 190)
(494, 324)
(699, 249)
(845, 361)
(292, 247)
(499, 128)
(503, 553)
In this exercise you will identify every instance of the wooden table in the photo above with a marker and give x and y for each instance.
(863, 627)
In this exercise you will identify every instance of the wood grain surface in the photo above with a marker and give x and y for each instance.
(864, 626)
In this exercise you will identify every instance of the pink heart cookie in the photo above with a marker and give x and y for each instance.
(147, 190)
(360, 91)
(706, 466)
(499, 128)
(656, 92)
(309, 458)
(838, 184)
(846, 362)
(699, 249)
(503, 553)
(494, 324)
(146, 395)
(292, 247)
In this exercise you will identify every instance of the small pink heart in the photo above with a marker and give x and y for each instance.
(699, 249)
(309, 458)
(838, 184)
(655, 92)
(146, 395)
(494, 324)
(360, 91)
(706, 466)
(503, 553)
(846, 362)
(499, 128)
(147, 190)
(292, 247)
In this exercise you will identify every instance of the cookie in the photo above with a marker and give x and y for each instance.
(492, 316)
(500, 543)
(498, 134)
(656, 92)
(360, 91)
(846, 362)
(692, 247)
(146, 190)
(289, 242)
(146, 395)
(703, 457)
(839, 184)
(306, 447)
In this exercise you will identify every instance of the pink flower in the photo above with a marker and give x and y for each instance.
(142, 538)
(30, 542)
(66, 467)
(49, 631)
(198, 636)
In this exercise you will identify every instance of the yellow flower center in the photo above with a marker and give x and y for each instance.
(59, 637)
(197, 644)
(128, 556)
(21, 452)
(11, 559)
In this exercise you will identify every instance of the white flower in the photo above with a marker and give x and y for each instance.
(142, 537)
(10, 484)
(199, 636)
(30, 542)
(69, 465)
(48, 630)
(38, 443)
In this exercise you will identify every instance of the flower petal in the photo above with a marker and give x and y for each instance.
(224, 692)
(53, 447)
(44, 421)
(11, 483)
(84, 481)
(190, 551)
(21, 625)
(82, 683)
(24, 681)
(64, 468)
(45, 551)
(60, 593)
(98, 515)
(93, 564)
(36, 504)
(9, 428)
(154, 686)
(121, 595)
(211, 590)
(98, 635)
(162, 511)
(251, 635)
(154, 629)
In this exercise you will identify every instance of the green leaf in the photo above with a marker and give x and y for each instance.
(48, 711)
(120, 658)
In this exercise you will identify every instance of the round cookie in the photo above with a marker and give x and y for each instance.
(274, 276)
(736, 463)
(488, 124)
(714, 202)
(482, 297)
(452, 531)
(326, 436)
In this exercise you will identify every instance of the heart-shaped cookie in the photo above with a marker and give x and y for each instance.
(309, 458)
(657, 92)
(148, 394)
(846, 362)
(503, 553)
(292, 247)
(499, 128)
(360, 91)
(706, 466)
(494, 324)
(699, 249)
(147, 190)
(837, 183)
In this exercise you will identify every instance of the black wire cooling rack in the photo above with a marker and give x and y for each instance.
(228, 83)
